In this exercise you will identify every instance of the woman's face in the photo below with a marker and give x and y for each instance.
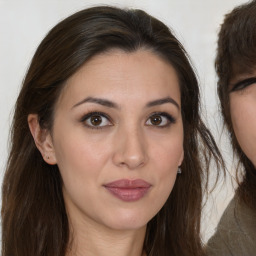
(118, 139)
(243, 113)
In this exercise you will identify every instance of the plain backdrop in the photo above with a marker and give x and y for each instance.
(24, 23)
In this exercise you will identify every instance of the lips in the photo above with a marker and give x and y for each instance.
(128, 190)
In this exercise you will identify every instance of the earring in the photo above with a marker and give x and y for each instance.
(179, 170)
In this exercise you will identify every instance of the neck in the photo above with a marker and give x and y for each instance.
(90, 239)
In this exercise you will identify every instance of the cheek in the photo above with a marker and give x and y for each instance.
(236, 112)
(166, 166)
(80, 157)
(243, 116)
(80, 161)
(167, 157)
(239, 123)
(168, 151)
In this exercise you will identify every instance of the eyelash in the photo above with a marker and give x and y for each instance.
(243, 84)
(170, 119)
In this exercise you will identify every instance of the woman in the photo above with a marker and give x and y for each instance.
(107, 116)
(236, 69)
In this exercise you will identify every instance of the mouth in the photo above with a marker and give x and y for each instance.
(128, 190)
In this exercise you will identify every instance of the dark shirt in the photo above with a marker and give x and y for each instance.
(236, 232)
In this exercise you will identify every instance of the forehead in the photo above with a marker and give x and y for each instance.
(118, 73)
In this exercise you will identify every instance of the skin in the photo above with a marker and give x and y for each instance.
(243, 114)
(127, 144)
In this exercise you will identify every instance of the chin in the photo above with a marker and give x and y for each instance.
(129, 221)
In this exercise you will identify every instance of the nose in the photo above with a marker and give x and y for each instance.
(130, 149)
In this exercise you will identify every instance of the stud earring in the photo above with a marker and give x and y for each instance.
(179, 170)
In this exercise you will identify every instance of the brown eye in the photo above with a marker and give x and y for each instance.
(156, 120)
(95, 120)
(160, 120)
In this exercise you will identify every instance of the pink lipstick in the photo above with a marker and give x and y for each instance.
(128, 190)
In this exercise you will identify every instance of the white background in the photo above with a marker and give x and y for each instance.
(24, 23)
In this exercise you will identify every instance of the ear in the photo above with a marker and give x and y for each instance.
(43, 139)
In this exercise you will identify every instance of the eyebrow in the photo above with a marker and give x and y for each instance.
(163, 101)
(99, 101)
(111, 104)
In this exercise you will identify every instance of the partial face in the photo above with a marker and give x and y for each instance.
(118, 139)
(243, 113)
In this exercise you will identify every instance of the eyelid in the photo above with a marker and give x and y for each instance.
(243, 84)
(92, 113)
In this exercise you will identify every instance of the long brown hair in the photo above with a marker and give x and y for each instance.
(34, 219)
(236, 54)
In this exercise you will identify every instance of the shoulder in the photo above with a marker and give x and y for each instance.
(235, 233)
